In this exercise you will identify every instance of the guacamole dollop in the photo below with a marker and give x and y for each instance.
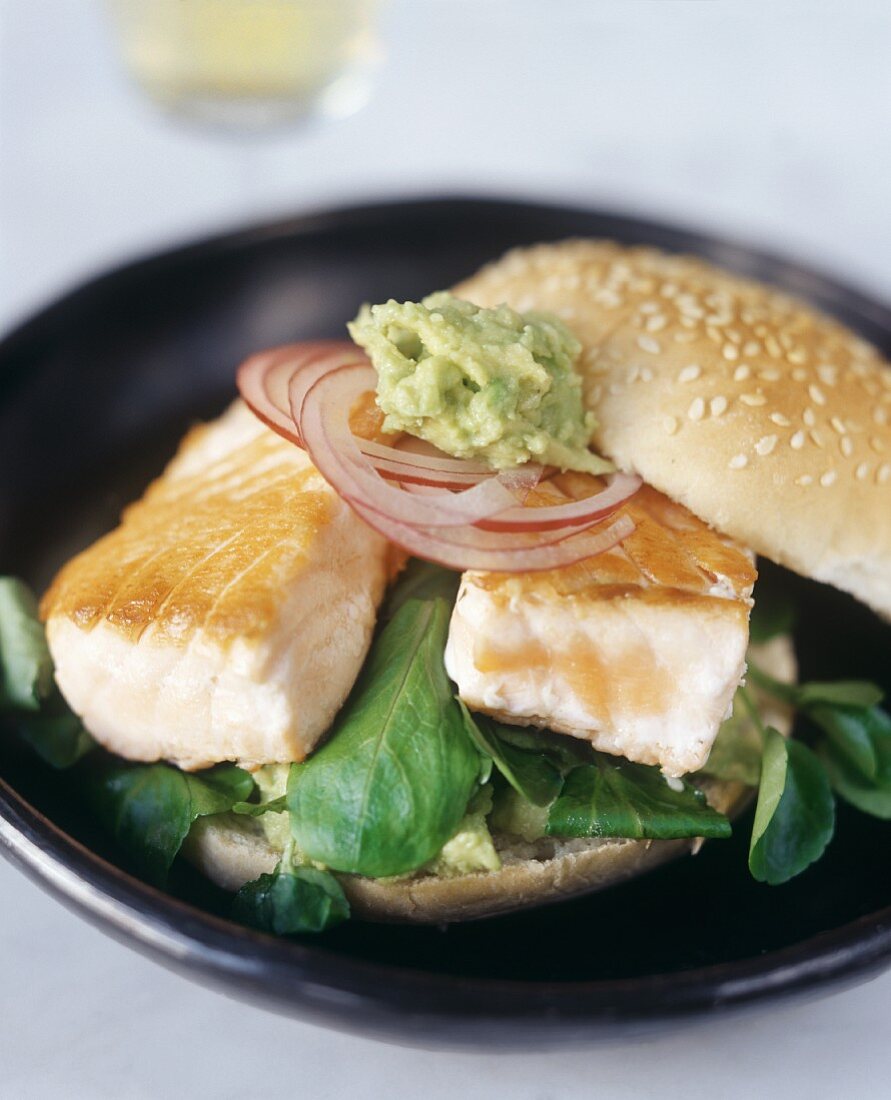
(480, 383)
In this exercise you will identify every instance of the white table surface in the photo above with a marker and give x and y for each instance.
(768, 122)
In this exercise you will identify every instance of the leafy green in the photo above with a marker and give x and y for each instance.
(302, 899)
(257, 809)
(615, 798)
(795, 813)
(26, 668)
(855, 693)
(149, 808)
(773, 614)
(28, 693)
(736, 754)
(861, 777)
(421, 580)
(59, 738)
(532, 774)
(392, 783)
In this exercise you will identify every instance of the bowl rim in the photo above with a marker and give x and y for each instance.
(313, 981)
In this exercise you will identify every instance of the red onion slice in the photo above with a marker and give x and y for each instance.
(579, 513)
(320, 403)
(434, 546)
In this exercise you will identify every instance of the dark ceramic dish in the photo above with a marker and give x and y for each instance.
(94, 393)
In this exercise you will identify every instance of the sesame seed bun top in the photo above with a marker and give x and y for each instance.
(768, 420)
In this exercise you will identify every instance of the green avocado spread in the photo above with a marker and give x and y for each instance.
(480, 383)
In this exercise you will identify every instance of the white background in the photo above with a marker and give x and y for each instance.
(767, 121)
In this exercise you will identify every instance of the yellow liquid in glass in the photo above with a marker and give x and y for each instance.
(248, 50)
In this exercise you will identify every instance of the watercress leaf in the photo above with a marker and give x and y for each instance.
(736, 753)
(149, 808)
(615, 798)
(869, 793)
(26, 668)
(851, 693)
(855, 693)
(531, 774)
(58, 738)
(795, 813)
(257, 809)
(421, 580)
(565, 752)
(287, 903)
(849, 731)
(391, 784)
(772, 615)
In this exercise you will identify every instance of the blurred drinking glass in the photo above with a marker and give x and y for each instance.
(249, 64)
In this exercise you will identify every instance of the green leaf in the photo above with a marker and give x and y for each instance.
(26, 668)
(60, 738)
(287, 903)
(392, 783)
(772, 615)
(869, 793)
(421, 580)
(795, 814)
(736, 753)
(257, 809)
(843, 693)
(564, 751)
(849, 729)
(615, 798)
(532, 774)
(149, 808)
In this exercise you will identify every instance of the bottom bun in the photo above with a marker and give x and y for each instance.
(233, 850)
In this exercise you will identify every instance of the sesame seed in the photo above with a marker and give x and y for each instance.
(742, 372)
(669, 290)
(656, 322)
(827, 374)
(684, 337)
(816, 437)
(828, 478)
(718, 405)
(817, 395)
(647, 343)
(670, 424)
(737, 462)
(799, 375)
(633, 374)
(861, 472)
(883, 473)
(838, 425)
(880, 415)
(730, 351)
(769, 375)
(805, 479)
(753, 399)
(809, 417)
(766, 444)
(649, 307)
(751, 347)
(614, 388)
(797, 355)
(773, 348)
(797, 441)
(846, 445)
(697, 409)
(690, 373)
(877, 444)
(779, 419)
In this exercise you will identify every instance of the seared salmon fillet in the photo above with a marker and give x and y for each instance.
(228, 615)
(638, 651)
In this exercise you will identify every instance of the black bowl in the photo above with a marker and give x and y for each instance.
(94, 393)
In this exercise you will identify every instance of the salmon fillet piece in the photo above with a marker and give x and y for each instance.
(638, 651)
(228, 615)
